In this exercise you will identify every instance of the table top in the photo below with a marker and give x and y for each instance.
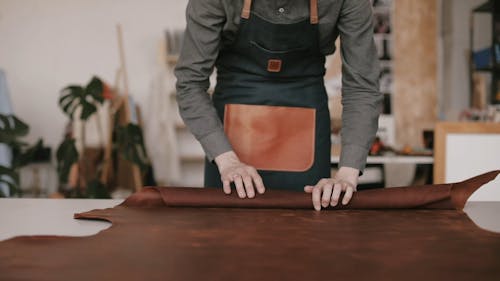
(20, 217)
(50, 217)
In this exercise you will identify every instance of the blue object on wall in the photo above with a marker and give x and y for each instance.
(5, 108)
(482, 58)
(497, 53)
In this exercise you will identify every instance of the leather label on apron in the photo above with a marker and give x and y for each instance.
(274, 138)
(274, 65)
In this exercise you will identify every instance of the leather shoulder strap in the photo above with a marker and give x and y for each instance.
(245, 12)
(313, 9)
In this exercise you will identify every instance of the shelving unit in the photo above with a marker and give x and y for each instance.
(383, 29)
(491, 7)
(383, 11)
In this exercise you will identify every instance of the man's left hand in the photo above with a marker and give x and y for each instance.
(327, 191)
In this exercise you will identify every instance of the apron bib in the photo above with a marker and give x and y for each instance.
(271, 98)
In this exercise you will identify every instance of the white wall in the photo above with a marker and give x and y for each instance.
(47, 44)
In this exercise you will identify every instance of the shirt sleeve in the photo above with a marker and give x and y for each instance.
(205, 20)
(361, 98)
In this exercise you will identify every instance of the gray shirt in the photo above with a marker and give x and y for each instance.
(212, 24)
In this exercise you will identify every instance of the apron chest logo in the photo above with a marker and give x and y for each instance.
(274, 65)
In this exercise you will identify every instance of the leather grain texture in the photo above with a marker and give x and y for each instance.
(149, 241)
(273, 138)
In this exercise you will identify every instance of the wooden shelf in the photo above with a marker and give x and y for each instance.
(487, 69)
(492, 7)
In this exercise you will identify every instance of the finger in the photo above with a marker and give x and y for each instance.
(226, 186)
(327, 195)
(257, 179)
(316, 194)
(239, 186)
(337, 189)
(350, 185)
(316, 197)
(348, 195)
(247, 180)
(308, 188)
(321, 182)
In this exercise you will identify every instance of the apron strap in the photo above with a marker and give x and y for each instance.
(245, 12)
(313, 10)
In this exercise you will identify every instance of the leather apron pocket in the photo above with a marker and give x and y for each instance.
(274, 138)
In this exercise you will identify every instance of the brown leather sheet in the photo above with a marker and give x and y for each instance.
(439, 196)
(148, 241)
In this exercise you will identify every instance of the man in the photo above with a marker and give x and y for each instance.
(270, 93)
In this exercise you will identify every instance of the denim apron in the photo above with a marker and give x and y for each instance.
(271, 77)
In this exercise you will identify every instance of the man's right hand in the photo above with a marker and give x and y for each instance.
(245, 177)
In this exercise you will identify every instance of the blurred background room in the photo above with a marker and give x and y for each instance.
(88, 108)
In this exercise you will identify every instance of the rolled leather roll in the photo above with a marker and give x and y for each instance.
(436, 196)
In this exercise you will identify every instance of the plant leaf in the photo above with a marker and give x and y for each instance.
(95, 89)
(10, 173)
(74, 96)
(12, 128)
(13, 189)
(9, 177)
(66, 155)
(131, 144)
(23, 158)
(70, 107)
(70, 97)
(20, 128)
(87, 110)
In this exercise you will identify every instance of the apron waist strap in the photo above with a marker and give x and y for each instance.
(313, 10)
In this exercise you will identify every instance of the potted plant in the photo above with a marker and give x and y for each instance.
(11, 130)
(82, 102)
